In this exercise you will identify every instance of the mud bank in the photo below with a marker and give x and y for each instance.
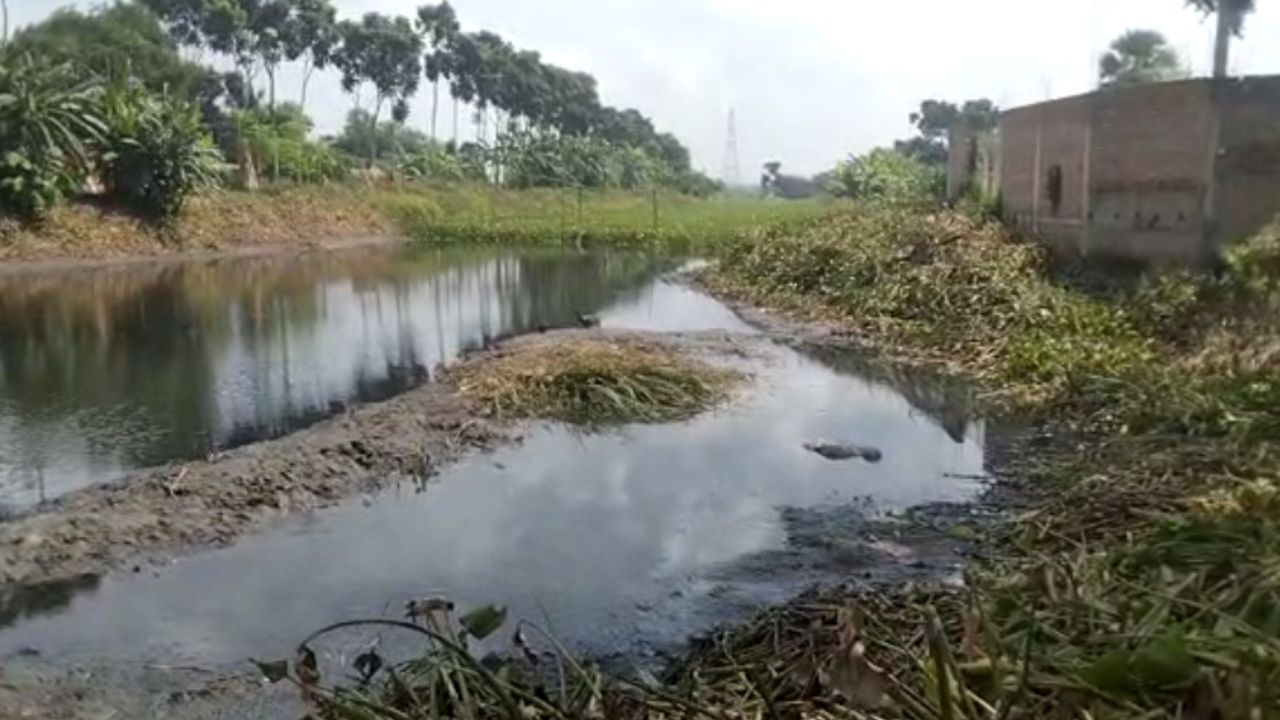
(150, 515)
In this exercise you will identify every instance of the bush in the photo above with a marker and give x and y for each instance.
(156, 153)
(433, 162)
(888, 176)
(48, 122)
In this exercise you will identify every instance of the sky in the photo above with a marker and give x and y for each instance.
(809, 81)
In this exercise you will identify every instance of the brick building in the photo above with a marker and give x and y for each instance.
(1165, 171)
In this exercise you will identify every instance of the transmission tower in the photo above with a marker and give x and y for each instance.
(731, 174)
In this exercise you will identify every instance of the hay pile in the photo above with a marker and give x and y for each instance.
(593, 381)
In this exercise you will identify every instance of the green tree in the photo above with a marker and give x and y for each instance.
(386, 53)
(360, 139)
(1140, 56)
(116, 41)
(439, 24)
(1231, 17)
(311, 34)
(934, 121)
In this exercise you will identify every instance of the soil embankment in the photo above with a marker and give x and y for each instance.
(223, 223)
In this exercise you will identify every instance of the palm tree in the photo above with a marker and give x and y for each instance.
(440, 24)
(1231, 15)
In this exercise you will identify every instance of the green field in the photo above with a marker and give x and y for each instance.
(470, 213)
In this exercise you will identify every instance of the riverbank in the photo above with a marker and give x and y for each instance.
(1136, 583)
(301, 218)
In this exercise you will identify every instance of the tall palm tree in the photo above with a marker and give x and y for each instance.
(1231, 15)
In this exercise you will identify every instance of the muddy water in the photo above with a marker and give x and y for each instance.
(110, 370)
(622, 543)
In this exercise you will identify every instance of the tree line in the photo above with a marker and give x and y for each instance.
(535, 123)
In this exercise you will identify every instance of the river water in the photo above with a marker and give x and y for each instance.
(622, 542)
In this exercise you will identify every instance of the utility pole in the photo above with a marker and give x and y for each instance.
(4, 19)
(732, 171)
(1221, 48)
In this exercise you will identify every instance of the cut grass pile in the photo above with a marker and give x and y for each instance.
(592, 381)
(1143, 581)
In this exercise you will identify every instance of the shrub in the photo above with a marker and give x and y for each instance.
(48, 121)
(887, 176)
(433, 162)
(156, 153)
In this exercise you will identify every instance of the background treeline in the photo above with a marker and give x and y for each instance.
(146, 102)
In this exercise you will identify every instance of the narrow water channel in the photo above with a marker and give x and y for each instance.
(110, 370)
(623, 543)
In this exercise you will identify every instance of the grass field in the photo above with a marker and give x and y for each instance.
(428, 213)
(445, 214)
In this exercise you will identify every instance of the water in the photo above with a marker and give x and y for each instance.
(623, 542)
(106, 371)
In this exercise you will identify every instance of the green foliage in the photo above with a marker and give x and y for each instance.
(450, 213)
(1141, 56)
(1143, 583)
(279, 146)
(887, 176)
(389, 139)
(49, 120)
(120, 40)
(156, 152)
(434, 162)
(385, 52)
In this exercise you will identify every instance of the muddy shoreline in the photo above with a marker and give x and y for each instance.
(56, 265)
(151, 515)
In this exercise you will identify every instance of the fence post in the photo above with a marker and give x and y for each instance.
(654, 193)
(579, 207)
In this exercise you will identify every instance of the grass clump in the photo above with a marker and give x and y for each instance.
(589, 381)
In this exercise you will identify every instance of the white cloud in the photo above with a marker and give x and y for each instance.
(812, 80)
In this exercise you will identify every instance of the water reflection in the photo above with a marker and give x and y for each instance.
(115, 369)
(618, 541)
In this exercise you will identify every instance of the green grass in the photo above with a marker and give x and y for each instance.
(481, 214)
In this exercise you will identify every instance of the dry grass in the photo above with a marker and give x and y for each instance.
(591, 381)
(212, 222)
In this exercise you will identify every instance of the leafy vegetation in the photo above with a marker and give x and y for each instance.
(1141, 56)
(49, 121)
(887, 176)
(548, 126)
(592, 381)
(674, 222)
(1139, 585)
(156, 152)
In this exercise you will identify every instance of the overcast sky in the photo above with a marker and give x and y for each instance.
(811, 80)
